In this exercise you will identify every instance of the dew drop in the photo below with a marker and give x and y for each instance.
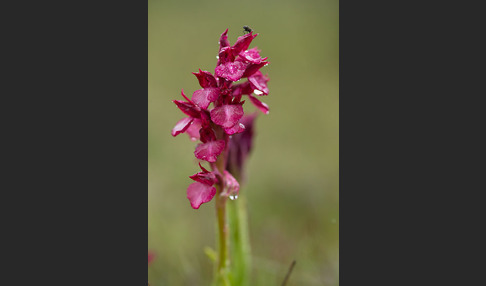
(233, 197)
(257, 92)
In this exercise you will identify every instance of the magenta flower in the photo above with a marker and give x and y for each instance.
(239, 147)
(201, 191)
(151, 256)
(213, 127)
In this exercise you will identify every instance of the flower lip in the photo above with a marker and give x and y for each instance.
(204, 97)
(232, 71)
(227, 115)
(209, 151)
(199, 193)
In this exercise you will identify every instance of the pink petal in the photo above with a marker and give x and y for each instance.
(188, 108)
(199, 193)
(232, 71)
(252, 56)
(193, 130)
(183, 95)
(241, 88)
(231, 185)
(259, 81)
(225, 55)
(227, 115)
(209, 151)
(243, 42)
(208, 178)
(223, 40)
(206, 79)
(182, 126)
(202, 168)
(260, 105)
(238, 128)
(203, 97)
(253, 68)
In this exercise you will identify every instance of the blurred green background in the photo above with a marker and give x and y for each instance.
(292, 187)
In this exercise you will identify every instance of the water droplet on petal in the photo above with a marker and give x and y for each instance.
(257, 92)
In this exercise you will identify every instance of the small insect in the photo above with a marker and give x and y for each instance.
(247, 29)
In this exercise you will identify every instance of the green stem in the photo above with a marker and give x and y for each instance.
(223, 261)
(240, 242)
(222, 269)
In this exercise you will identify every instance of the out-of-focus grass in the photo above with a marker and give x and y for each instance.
(292, 186)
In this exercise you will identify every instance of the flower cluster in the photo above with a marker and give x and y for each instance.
(214, 127)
